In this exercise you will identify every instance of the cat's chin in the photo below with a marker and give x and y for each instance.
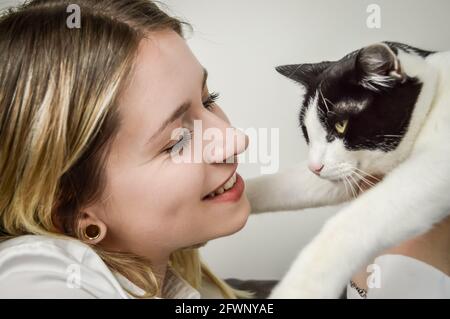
(335, 179)
(339, 180)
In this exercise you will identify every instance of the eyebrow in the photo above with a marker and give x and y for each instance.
(178, 112)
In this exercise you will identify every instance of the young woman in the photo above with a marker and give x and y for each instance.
(92, 203)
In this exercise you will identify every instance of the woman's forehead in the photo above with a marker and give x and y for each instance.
(164, 68)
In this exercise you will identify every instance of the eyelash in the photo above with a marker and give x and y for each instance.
(187, 135)
(182, 142)
(211, 100)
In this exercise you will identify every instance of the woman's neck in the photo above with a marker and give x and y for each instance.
(160, 271)
(432, 248)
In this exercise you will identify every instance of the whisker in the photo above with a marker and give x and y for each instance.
(355, 193)
(351, 186)
(389, 135)
(345, 184)
(323, 99)
(356, 183)
(326, 99)
(321, 111)
(367, 174)
(363, 179)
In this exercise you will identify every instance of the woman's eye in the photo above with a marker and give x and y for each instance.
(211, 100)
(341, 126)
(181, 142)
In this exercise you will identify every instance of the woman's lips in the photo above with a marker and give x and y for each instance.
(231, 195)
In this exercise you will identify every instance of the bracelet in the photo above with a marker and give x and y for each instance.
(362, 292)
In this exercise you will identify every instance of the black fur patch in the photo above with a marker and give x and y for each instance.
(378, 113)
(396, 45)
(381, 122)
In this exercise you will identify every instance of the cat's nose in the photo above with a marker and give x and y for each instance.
(315, 168)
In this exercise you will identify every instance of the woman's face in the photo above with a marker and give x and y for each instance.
(153, 204)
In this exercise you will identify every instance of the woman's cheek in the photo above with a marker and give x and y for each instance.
(170, 192)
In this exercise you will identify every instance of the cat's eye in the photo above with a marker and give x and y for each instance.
(341, 126)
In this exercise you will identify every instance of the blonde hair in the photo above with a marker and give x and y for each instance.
(58, 113)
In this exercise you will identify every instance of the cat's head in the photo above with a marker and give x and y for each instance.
(357, 109)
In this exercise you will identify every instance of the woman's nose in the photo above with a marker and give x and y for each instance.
(232, 143)
(241, 142)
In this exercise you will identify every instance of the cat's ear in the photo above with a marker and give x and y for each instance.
(378, 67)
(304, 74)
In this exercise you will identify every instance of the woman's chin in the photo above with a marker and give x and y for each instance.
(237, 220)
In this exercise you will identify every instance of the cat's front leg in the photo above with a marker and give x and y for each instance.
(405, 204)
(293, 189)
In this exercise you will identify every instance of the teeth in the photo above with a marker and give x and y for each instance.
(229, 184)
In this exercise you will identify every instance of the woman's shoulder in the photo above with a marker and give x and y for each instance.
(37, 252)
(396, 276)
(35, 266)
(409, 277)
(21, 246)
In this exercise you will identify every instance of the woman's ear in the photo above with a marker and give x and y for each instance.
(93, 230)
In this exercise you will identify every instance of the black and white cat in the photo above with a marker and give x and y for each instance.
(381, 110)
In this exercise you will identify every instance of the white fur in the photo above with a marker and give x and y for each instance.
(411, 198)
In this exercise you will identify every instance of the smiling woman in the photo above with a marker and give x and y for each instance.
(88, 182)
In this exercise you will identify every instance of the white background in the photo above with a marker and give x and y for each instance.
(240, 42)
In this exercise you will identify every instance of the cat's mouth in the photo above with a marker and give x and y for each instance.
(344, 172)
(353, 178)
(341, 172)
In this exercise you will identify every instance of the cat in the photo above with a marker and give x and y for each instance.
(383, 110)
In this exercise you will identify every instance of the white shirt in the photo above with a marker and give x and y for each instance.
(33, 266)
(402, 277)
